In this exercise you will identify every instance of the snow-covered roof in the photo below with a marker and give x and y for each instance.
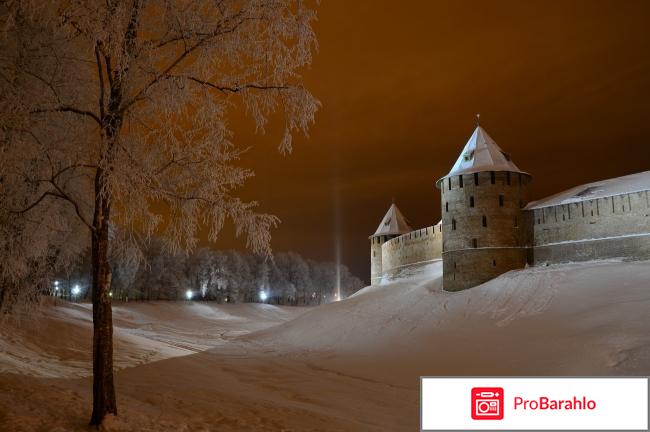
(481, 153)
(393, 223)
(600, 189)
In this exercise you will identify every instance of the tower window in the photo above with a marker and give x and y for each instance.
(474, 243)
(501, 200)
(460, 180)
(508, 177)
(453, 224)
(449, 183)
(471, 201)
(484, 221)
(446, 207)
(475, 179)
(494, 263)
(492, 177)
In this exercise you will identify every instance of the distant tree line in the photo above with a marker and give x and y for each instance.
(213, 275)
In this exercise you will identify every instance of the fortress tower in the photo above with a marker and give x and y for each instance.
(486, 231)
(393, 224)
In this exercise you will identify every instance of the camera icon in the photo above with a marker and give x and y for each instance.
(487, 403)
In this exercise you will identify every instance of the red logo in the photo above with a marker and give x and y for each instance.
(487, 403)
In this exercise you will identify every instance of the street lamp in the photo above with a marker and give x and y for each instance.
(263, 296)
(188, 294)
(76, 290)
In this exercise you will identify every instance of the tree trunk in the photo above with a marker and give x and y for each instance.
(103, 386)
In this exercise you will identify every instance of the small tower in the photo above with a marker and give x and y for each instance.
(393, 224)
(486, 232)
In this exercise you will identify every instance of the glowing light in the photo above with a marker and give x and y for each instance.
(56, 283)
(110, 294)
(76, 290)
(263, 295)
(337, 240)
(189, 294)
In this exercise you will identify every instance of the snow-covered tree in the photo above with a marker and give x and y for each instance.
(110, 110)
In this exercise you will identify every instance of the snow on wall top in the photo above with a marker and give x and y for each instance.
(393, 223)
(605, 188)
(481, 153)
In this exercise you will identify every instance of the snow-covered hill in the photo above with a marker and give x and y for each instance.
(347, 366)
(587, 318)
(55, 340)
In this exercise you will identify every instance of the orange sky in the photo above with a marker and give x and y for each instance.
(563, 86)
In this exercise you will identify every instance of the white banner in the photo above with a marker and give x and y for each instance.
(533, 403)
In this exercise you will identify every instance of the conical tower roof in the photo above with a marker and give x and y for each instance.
(393, 223)
(481, 153)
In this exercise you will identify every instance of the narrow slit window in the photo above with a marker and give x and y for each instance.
(501, 200)
(494, 263)
(492, 177)
(484, 221)
(453, 224)
(460, 180)
(471, 201)
(475, 179)
(449, 183)
(508, 177)
(474, 243)
(446, 207)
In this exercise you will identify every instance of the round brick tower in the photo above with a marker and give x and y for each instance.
(393, 224)
(486, 231)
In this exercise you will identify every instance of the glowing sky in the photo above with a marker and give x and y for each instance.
(563, 86)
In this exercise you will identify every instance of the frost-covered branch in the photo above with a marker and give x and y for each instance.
(63, 109)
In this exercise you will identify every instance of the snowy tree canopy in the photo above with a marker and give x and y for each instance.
(127, 102)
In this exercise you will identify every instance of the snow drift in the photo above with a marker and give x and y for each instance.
(577, 319)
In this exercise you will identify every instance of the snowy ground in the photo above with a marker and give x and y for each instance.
(347, 366)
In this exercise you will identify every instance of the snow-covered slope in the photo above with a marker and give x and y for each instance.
(55, 341)
(588, 318)
(347, 366)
